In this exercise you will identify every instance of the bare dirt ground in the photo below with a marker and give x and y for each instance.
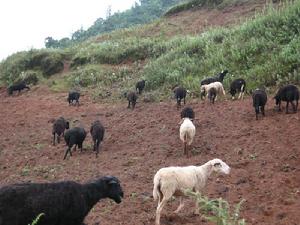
(263, 154)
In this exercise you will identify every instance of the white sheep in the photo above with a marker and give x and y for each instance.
(171, 181)
(217, 85)
(187, 133)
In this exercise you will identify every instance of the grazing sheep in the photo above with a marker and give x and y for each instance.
(205, 89)
(219, 78)
(187, 133)
(74, 136)
(259, 101)
(131, 97)
(62, 203)
(140, 85)
(97, 132)
(17, 87)
(287, 93)
(171, 181)
(187, 112)
(180, 93)
(74, 96)
(59, 127)
(212, 94)
(238, 86)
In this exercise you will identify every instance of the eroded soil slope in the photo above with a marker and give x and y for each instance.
(263, 154)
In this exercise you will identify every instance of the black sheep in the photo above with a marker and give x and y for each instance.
(288, 94)
(17, 87)
(74, 136)
(131, 97)
(212, 94)
(238, 86)
(140, 85)
(59, 127)
(97, 132)
(62, 203)
(219, 77)
(74, 96)
(187, 112)
(259, 101)
(180, 93)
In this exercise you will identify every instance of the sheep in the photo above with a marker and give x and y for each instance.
(62, 203)
(259, 100)
(171, 181)
(212, 94)
(187, 133)
(59, 127)
(187, 112)
(73, 96)
(140, 85)
(180, 93)
(219, 78)
(132, 98)
(287, 93)
(17, 87)
(217, 85)
(238, 85)
(97, 132)
(74, 136)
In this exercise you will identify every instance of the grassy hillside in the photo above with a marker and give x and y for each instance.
(263, 50)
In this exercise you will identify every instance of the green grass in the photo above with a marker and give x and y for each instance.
(265, 51)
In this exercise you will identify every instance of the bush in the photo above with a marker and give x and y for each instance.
(218, 210)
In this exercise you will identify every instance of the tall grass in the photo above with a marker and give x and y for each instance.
(264, 51)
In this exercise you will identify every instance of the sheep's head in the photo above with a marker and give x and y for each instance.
(115, 191)
(219, 166)
(203, 90)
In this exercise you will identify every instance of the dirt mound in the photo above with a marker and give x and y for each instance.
(263, 154)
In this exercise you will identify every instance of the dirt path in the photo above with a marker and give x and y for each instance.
(264, 154)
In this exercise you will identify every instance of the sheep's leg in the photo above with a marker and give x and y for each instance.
(68, 150)
(184, 100)
(263, 110)
(53, 138)
(240, 95)
(184, 149)
(287, 107)
(181, 205)
(98, 146)
(279, 106)
(160, 207)
(128, 105)
(294, 106)
(197, 211)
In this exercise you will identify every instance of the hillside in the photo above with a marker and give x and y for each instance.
(113, 62)
(263, 154)
(257, 42)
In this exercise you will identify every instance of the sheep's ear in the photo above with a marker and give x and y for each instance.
(112, 182)
(181, 121)
(217, 164)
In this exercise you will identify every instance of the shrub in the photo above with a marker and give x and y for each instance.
(218, 210)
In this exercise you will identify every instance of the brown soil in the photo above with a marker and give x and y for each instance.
(263, 154)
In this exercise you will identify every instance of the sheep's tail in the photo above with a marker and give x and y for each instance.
(156, 187)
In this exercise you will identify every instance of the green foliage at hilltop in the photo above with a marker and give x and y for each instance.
(265, 51)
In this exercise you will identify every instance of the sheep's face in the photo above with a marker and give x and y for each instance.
(220, 166)
(202, 91)
(115, 191)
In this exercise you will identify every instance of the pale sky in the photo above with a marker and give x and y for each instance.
(25, 24)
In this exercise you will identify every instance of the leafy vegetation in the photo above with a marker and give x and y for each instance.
(36, 220)
(218, 210)
(264, 51)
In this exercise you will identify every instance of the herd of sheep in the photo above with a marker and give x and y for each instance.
(68, 202)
